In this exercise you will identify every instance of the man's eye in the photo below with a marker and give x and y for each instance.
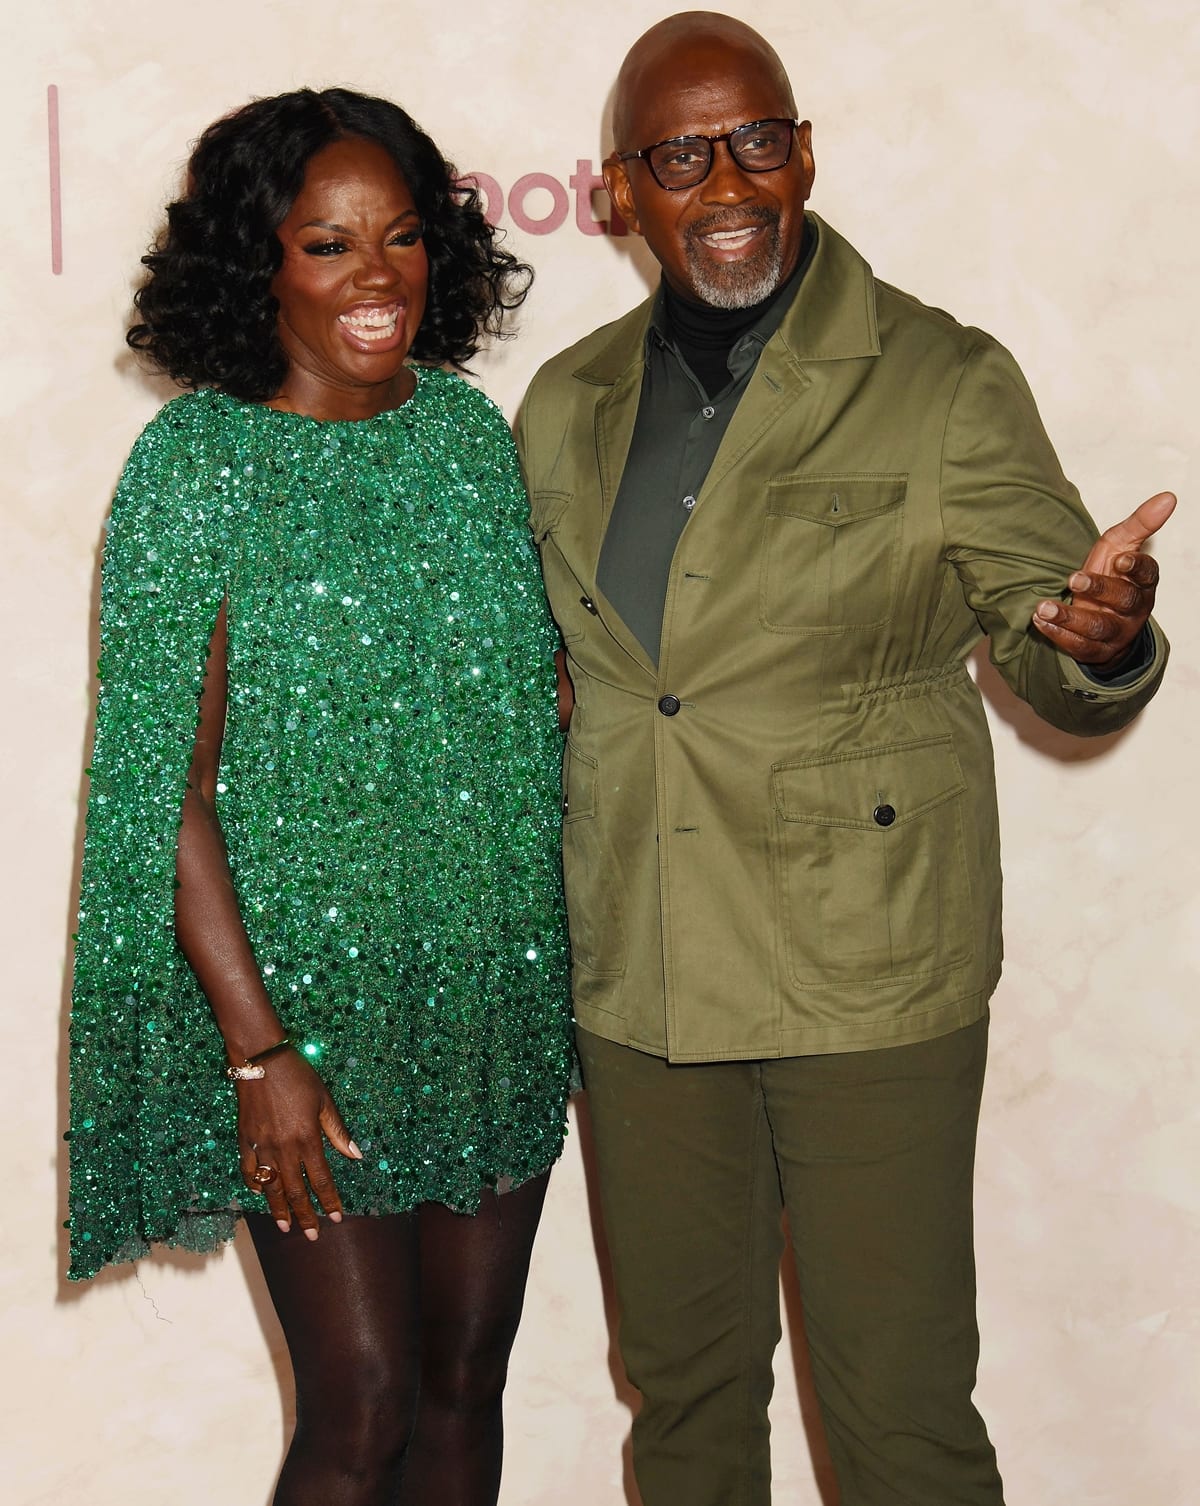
(324, 248)
(683, 157)
(766, 140)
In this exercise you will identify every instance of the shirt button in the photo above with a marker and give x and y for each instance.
(884, 815)
(709, 412)
(689, 503)
(669, 705)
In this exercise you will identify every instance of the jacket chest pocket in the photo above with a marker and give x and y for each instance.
(830, 552)
(563, 591)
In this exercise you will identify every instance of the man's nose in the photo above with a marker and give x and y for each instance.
(726, 183)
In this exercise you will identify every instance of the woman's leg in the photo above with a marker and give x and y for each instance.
(472, 1287)
(349, 1307)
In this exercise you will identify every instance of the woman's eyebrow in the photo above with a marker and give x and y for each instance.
(407, 214)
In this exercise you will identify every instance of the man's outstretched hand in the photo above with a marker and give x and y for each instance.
(1112, 593)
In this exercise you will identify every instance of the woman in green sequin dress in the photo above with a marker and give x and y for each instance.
(324, 801)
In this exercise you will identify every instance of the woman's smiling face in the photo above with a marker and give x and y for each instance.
(352, 285)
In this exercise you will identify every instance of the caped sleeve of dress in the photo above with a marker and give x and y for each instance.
(1015, 530)
(162, 586)
(526, 741)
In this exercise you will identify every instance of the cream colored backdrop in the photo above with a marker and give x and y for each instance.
(1029, 165)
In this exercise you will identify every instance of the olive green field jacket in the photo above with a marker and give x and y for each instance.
(783, 838)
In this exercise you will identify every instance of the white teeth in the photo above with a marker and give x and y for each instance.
(376, 324)
(728, 237)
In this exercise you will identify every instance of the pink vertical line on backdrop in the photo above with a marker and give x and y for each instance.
(56, 260)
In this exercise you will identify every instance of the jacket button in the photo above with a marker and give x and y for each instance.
(884, 814)
(669, 705)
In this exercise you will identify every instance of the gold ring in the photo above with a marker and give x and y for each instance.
(263, 1175)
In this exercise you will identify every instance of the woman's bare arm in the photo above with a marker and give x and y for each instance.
(280, 1116)
(208, 923)
(566, 691)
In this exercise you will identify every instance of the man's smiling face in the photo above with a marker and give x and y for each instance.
(732, 239)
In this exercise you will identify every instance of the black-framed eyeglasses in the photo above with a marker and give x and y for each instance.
(760, 146)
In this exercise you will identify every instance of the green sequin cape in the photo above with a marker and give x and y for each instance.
(389, 793)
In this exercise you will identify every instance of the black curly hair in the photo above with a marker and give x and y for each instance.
(208, 317)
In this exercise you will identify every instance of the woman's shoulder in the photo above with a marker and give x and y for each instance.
(460, 398)
(192, 425)
(181, 464)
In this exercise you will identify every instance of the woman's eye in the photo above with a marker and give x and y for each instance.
(324, 248)
(407, 237)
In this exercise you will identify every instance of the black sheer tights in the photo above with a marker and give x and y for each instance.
(399, 1330)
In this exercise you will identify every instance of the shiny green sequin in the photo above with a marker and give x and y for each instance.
(389, 795)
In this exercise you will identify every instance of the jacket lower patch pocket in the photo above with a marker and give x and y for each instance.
(593, 916)
(873, 879)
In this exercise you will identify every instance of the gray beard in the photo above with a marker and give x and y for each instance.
(736, 286)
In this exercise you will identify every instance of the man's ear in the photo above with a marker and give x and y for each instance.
(616, 180)
(804, 146)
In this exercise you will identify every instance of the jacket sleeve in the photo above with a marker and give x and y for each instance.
(1015, 530)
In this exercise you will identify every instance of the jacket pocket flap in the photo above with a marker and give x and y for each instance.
(835, 500)
(874, 789)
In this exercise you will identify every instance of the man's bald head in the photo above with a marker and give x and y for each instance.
(694, 47)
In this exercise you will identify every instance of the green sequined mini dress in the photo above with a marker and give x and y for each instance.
(389, 794)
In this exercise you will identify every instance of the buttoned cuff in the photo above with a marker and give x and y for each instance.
(1141, 656)
(1088, 685)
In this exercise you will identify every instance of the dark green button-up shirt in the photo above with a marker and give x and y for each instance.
(678, 431)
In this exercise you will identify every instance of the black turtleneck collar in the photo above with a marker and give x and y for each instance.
(705, 336)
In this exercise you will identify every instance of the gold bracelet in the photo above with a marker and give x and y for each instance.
(252, 1068)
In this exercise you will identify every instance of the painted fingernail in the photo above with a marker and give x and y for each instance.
(355, 1152)
(310, 1234)
(282, 1224)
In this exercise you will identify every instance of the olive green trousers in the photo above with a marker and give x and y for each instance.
(872, 1153)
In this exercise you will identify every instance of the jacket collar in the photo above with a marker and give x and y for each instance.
(832, 318)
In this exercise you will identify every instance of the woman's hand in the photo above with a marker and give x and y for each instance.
(281, 1118)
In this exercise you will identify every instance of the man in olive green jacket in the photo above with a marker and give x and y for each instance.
(780, 833)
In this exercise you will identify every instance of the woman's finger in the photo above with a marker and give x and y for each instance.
(248, 1160)
(322, 1185)
(295, 1190)
(278, 1204)
(256, 1163)
(336, 1132)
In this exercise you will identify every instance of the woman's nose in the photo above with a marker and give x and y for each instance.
(375, 270)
